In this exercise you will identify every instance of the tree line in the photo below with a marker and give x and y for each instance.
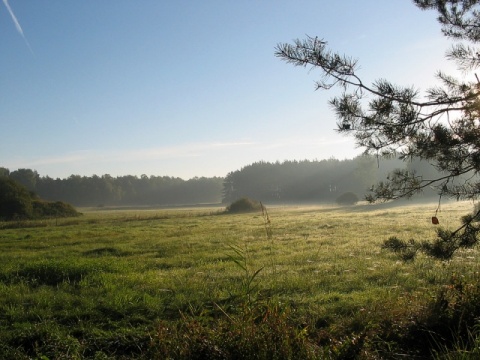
(122, 190)
(279, 182)
(314, 181)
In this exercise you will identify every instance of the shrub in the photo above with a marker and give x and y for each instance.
(53, 209)
(15, 200)
(348, 198)
(448, 324)
(244, 205)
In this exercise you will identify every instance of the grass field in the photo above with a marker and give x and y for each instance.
(313, 282)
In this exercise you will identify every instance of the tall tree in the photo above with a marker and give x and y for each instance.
(4, 172)
(442, 126)
(26, 177)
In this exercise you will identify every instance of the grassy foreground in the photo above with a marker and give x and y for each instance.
(313, 283)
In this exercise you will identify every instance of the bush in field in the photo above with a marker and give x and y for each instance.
(16, 202)
(348, 198)
(243, 205)
(43, 208)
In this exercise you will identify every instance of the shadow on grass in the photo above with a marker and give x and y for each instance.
(106, 251)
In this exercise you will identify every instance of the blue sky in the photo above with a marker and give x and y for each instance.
(189, 88)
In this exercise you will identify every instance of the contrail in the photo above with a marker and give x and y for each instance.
(17, 24)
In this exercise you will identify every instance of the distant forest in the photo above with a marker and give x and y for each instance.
(314, 181)
(127, 190)
(286, 182)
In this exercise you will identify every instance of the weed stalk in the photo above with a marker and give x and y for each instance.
(248, 286)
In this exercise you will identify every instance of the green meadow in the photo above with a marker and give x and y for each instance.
(309, 282)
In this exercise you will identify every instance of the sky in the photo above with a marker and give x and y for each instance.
(190, 88)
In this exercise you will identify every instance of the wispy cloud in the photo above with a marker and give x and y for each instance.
(17, 24)
(179, 151)
(185, 160)
(311, 145)
(108, 156)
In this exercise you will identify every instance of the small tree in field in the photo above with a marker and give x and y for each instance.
(243, 205)
(441, 127)
(348, 198)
